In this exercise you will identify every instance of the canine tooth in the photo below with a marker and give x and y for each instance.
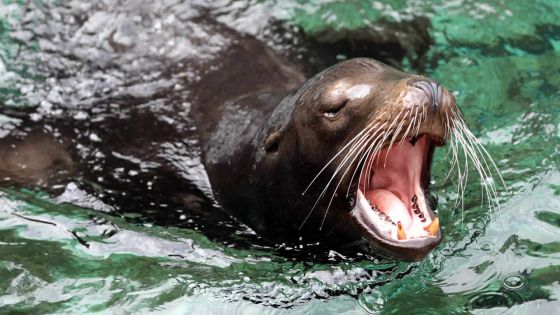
(401, 235)
(414, 198)
(433, 227)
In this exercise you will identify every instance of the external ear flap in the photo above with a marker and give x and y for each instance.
(273, 142)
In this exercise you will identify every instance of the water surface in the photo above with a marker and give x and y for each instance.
(137, 231)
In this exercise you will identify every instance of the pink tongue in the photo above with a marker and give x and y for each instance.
(387, 202)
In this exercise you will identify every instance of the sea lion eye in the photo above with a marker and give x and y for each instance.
(333, 111)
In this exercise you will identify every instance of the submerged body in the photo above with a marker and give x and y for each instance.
(342, 158)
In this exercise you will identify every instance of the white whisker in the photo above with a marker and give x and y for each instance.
(358, 144)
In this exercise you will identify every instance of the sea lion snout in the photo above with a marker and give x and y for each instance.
(432, 90)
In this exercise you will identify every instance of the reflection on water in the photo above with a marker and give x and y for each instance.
(125, 221)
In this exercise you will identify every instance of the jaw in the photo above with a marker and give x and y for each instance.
(391, 208)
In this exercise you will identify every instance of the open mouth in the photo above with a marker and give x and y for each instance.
(391, 203)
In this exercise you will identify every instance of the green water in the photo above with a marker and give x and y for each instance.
(502, 59)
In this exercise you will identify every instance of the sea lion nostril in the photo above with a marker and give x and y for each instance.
(432, 89)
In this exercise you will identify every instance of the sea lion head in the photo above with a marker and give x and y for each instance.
(357, 152)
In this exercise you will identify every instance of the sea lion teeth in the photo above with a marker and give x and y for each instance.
(433, 227)
(401, 235)
(414, 199)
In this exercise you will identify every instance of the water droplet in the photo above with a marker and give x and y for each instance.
(514, 282)
(94, 137)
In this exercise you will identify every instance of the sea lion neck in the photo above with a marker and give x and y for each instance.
(246, 74)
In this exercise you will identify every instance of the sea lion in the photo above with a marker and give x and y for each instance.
(341, 157)
(345, 157)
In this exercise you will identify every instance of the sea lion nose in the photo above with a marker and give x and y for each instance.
(432, 89)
